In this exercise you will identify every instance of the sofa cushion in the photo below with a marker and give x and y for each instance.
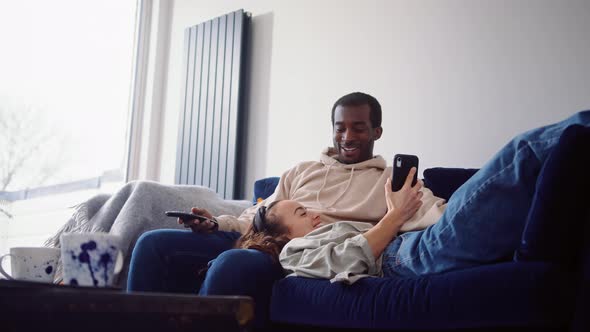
(445, 181)
(506, 294)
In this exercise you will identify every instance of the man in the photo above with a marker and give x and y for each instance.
(346, 184)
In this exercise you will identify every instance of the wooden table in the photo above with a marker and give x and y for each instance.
(29, 306)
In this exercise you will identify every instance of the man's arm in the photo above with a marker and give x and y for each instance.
(241, 223)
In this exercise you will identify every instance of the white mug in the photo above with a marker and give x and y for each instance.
(31, 263)
(90, 259)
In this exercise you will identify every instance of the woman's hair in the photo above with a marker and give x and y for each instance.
(267, 233)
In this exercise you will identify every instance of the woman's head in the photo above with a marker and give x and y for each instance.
(275, 225)
(296, 219)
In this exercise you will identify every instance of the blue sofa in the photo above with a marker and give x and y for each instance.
(545, 286)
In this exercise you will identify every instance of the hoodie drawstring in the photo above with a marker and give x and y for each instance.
(317, 195)
(324, 184)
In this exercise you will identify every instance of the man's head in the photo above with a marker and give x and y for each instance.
(356, 124)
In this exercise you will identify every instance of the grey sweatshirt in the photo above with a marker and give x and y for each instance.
(336, 251)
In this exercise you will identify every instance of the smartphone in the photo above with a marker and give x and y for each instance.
(187, 218)
(402, 163)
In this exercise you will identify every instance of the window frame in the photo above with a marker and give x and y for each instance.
(148, 90)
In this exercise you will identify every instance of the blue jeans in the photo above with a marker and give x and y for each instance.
(484, 219)
(168, 260)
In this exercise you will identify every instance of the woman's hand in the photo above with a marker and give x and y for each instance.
(407, 200)
(199, 226)
(401, 207)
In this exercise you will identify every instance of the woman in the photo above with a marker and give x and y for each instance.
(342, 251)
(482, 223)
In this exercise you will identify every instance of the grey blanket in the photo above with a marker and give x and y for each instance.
(139, 207)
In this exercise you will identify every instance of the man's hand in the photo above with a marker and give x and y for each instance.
(198, 226)
(407, 200)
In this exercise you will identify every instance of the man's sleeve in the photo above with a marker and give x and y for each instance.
(429, 213)
(241, 223)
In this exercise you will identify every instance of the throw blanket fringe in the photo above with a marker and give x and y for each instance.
(139, 207)
(79, 222)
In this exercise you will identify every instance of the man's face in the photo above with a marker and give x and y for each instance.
(354, 134)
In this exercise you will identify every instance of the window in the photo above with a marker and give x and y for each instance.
(66, 71)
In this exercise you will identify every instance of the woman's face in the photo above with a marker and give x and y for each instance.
(297, 218)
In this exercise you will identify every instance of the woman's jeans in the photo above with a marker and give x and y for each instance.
(170, 260)
(484, 219)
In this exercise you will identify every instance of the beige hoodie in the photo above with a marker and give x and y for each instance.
(351, 192)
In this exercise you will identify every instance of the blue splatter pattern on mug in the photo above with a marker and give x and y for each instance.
(89, 261)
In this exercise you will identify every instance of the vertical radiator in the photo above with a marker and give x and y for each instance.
(211, 119)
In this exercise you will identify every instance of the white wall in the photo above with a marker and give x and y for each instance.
(456, 79)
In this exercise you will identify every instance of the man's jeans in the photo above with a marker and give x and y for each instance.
(484, 219)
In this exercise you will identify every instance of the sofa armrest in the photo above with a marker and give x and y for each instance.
(559, 210)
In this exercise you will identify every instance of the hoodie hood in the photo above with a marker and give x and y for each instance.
(328, 158)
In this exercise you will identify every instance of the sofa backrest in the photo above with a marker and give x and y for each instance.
(264, 188)
(441, 180)
(444, 181)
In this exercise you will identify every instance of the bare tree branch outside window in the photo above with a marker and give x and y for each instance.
(31, 148)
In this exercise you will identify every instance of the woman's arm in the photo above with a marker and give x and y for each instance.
(408, 201)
